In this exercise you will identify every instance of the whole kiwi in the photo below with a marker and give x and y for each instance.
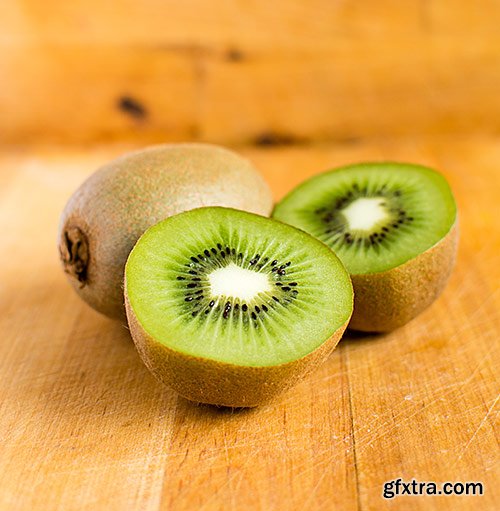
(114, 206)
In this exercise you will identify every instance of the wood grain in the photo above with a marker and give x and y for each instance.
(246, 71)
(83, 425)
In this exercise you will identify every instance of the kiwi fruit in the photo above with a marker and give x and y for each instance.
(113, 207)
(393, 225)
(230, 308)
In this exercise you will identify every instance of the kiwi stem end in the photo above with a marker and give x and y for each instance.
(74, 252)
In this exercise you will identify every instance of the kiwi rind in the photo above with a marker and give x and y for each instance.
(388, 299)
(113, 207)
(218, 383)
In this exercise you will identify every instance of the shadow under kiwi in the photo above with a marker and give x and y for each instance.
(203, 410)
(358, 338)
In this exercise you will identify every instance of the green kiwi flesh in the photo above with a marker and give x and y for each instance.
(114, 206)
(393, 225)
(231, 308)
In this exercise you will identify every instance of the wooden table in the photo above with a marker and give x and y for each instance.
(83, 425)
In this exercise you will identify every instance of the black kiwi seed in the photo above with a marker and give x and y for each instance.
(264, 308)
(244, 307)
(206, 252)
(285, 288)
(274, 263)
(181, 278)
(214, 252)
(219, 246)
(191, 285)
(281, 272)
(257, 309)
(275, 299)
(194, 259)
(212, 303)
(188, 299)
(292, 284)
(254, 316)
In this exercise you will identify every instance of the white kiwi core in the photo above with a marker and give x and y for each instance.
(237, 282)
(364, 214)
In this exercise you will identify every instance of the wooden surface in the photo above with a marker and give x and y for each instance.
(83, 425)
(246, 71)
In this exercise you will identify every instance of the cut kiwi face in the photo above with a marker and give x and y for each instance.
(230, 308)
(379, 218)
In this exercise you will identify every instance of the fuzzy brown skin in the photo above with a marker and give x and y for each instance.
(109, 212)
(387, 300)
(219, 383)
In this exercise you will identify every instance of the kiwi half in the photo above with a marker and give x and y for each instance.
(230, 308)
(394, 226)
(107, 214)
